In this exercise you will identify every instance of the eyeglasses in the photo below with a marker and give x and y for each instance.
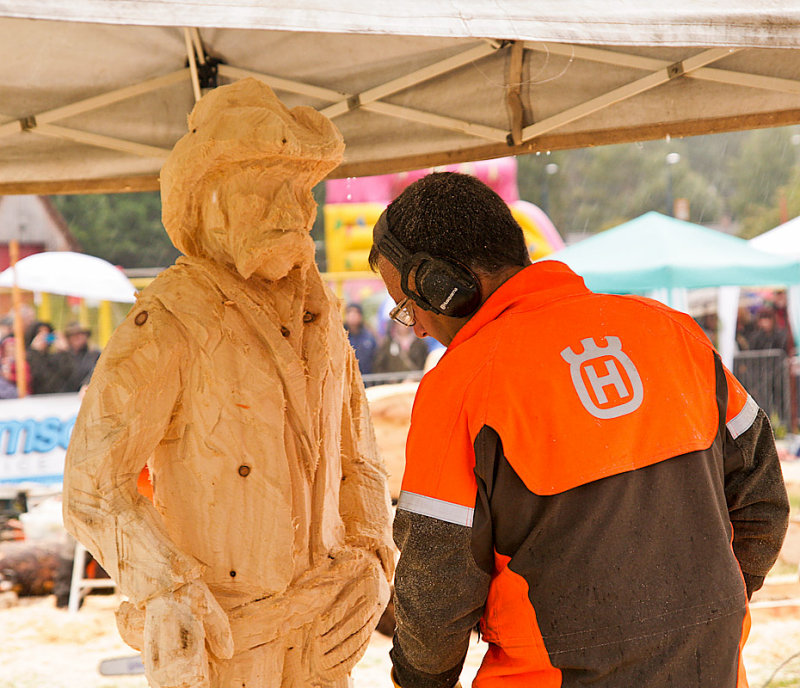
(402, 314)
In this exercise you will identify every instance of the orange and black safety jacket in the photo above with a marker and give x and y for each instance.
(586, 480)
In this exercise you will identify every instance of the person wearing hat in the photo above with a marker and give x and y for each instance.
(265, 558)
(50, 363)
(82, 356)
(60, 362)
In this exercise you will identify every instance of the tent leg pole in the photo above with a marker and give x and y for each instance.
(187, 37)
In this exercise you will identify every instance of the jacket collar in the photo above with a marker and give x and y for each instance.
(531, 288)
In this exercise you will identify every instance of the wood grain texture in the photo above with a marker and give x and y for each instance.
(265, 558)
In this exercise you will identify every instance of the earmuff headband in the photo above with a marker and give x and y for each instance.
(452, 288)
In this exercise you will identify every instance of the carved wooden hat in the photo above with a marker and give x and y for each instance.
(239, 125)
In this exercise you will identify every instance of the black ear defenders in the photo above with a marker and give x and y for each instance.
(434, 284)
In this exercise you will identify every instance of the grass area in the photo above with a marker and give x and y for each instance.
(794, 500)
(781, 680)
(783, 568)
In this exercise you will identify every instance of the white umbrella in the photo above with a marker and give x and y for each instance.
(71, 274)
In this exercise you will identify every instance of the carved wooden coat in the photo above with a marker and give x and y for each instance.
(265, 557)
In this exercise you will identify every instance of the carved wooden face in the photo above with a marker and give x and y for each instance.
(258, 219)
(237, 188)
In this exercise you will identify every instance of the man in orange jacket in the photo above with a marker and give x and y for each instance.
(583, 476)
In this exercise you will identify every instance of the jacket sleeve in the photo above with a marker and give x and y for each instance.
(125, 414)
(364, 500)
(440, 593)
(754, 489)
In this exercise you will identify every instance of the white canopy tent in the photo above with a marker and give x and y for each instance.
(93, 93)
(71, 274)
(784, 241)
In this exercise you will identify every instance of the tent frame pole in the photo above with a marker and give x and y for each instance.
(187, 38)
(441, 121)
(722, 76)
(634, 88)
(281, 84)
(101, 141)
(95, 102)
(516, 109)
(411, 79)
(517, 138)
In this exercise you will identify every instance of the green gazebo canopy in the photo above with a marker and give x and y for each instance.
(659, 252)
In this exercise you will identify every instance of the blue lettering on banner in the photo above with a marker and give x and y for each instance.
(41, 436)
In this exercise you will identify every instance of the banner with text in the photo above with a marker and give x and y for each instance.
(34, 434)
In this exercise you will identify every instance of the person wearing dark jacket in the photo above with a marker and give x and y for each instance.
(400, 351)
(49, 363)
(360, 338)
(583, 477)
(83, 357)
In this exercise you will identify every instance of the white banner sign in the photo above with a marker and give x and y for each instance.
(34, 434)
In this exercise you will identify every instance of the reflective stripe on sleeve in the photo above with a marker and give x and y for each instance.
(435, 508)
(742, 421)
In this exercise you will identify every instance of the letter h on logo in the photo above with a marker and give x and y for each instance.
(592, 359)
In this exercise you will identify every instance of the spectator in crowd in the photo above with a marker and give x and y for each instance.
(706, 318)
(49, 360)
(8, 368)
(766, 334)
(6, 327)
(780, 307)
(764, 374)
(37, 327)
(27, 315)
(361, 339)
(83, 357)
(744, 328)
(400, 351)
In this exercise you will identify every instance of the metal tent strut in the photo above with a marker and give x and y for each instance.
(202, 72)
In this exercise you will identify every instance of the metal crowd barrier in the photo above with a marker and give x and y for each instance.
(388, 378)
(767, 375)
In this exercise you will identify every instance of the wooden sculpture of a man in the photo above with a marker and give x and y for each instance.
(263, 561)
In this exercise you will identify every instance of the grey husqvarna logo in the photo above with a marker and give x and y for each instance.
(605, 378)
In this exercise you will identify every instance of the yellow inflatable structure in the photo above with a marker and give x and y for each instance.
(348, 233)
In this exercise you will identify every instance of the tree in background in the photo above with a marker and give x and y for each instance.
(729, 179)
(759, 175)
(124, 229)
(733, 180)
(598, 188)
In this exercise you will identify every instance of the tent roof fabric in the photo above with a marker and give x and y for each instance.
(656, 252)
(93, 94)
(783, 239)
(606, 22)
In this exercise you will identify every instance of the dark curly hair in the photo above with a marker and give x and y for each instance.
(456, 217)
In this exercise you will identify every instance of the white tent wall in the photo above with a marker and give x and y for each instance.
(677, 297)
(784, 240)
(94, 93)
(727, 315)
